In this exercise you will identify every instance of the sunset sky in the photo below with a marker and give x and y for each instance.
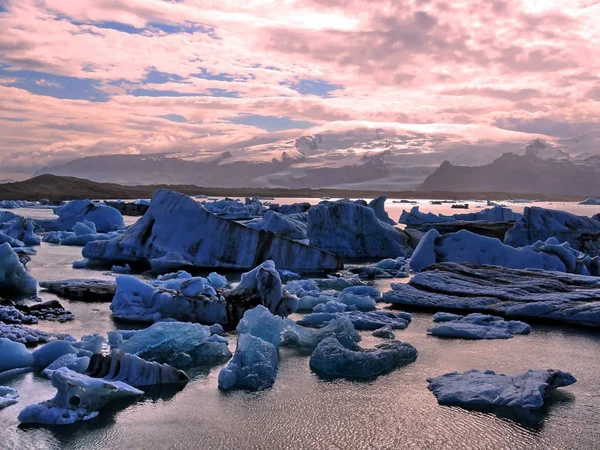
(89, 77)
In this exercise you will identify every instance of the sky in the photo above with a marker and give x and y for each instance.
(92, 77)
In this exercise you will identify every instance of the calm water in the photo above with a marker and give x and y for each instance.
(303, 411)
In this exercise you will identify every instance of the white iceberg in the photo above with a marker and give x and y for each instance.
(477, 388)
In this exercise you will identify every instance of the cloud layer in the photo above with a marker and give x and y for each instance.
(143, 76)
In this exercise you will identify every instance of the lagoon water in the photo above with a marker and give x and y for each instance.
(303, 411)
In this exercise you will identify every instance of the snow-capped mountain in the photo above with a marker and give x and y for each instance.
(360, 158)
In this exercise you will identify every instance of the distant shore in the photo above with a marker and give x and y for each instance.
(58, 188)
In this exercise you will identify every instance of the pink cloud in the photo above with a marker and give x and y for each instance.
(423, 62)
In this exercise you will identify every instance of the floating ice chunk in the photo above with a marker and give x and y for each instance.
(538, 224)
(340, 328)
(179, 344)
(384, 333)
(21, 229)
(45, 355)
(332, 359)
(480, 326)
(14, 355)
(80, 264)
(392, 264)
(371, 320)
(78, 398)
(90, 343)
(138, 301)
(466, 247)
(14, 279)
(168, 262)
(254, 363)
(360, 302)
(477, 388)
(133, 370)
(104, 217)
(253, 366)
(71, 361)
(261, 323)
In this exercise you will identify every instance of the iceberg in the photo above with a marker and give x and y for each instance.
(178, 344)
(104, 217)
(255, 361)
(351, 230)
(14, 355)
(8, 396)
(539, 224)
(83, 232)
(519, 294)
(136, 300)
(466, 247)
(78, 398)
(133, 370)
(477, 388)
(176, 223)
(235, 209)
(14, 279)
(340, 328)
(71, 361)
(479, 326)
(20, 229)
(332, 359)
(497, 213)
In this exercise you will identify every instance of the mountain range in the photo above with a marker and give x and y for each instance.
(359, 159)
